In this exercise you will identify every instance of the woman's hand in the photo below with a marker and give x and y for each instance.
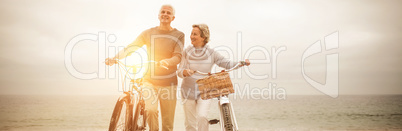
(188, 72)
(245, 63)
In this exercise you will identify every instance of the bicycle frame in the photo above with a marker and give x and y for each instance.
(222, 100)
(225, 100)
(131, 121)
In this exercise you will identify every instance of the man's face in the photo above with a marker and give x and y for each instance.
(166, 15)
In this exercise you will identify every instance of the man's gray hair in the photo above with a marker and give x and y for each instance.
(170, 6)
(204, 31)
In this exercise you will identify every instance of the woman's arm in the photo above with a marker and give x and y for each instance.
(222, 61)
(183, 65)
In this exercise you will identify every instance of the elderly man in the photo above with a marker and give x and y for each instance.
(164, 44)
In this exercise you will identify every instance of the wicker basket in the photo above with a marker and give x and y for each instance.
(215, 85)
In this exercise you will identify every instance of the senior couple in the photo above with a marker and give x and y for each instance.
(165, 44)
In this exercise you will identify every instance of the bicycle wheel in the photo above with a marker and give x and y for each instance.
(140, 117)
(227, 118)
(122, 115)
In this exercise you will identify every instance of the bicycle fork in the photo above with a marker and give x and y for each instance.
(225, 100)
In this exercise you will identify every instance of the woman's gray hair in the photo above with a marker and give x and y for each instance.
(204, 31)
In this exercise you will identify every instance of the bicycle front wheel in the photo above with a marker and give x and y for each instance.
(140, 117)
(227, 118)
(122, 115)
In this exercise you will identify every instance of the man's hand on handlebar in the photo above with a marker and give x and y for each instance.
(110, 61)
(164, 64)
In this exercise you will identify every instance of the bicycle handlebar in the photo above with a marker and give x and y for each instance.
(122, 66)
(238, 65)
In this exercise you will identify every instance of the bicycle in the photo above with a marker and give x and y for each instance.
(123, 117)
(225, 106)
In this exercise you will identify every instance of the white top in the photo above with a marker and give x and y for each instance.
(199, 59)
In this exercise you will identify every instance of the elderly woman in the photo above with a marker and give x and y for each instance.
(199, 57)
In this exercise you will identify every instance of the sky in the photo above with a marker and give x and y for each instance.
(36, 34)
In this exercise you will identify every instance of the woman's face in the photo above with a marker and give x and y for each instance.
(196, 38)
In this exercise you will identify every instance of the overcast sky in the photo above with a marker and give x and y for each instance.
(34, 36)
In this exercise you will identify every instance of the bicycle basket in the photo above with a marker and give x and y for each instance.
(215, 85)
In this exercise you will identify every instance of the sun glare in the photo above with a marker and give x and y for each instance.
(139, 58)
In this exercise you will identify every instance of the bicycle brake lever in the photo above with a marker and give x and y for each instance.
(243, 63)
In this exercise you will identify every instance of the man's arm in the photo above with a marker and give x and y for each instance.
(177, 53)
(131, 48)
(127, 51)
